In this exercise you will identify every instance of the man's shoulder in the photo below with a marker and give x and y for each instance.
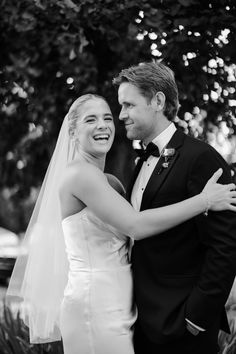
(194, 149)
(197, 145)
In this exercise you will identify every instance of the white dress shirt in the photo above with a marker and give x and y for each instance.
(148, 166)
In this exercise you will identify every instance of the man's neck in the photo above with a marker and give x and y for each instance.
(161, 127)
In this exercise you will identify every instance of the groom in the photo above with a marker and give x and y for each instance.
(182, 278)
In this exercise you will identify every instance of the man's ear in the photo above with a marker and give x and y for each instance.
(158, 101)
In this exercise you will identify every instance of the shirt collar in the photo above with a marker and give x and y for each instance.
(162, 139)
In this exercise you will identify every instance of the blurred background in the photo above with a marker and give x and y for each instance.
(52, 51)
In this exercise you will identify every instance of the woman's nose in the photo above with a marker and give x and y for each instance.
(101, 123)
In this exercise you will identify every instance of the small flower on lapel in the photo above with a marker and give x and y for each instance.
(136, 160)
(165, 164)
(167, 154)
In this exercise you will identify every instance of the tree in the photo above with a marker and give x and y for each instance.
(55, 50)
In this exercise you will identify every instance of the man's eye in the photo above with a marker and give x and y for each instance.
(109, 118)
(90, 120)
(129, 105)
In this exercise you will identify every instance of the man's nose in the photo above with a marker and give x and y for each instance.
(123, 114)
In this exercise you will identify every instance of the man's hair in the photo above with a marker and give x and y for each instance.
(150, 78)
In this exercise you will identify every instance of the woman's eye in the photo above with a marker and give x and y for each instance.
(109, 118)
(90, 120)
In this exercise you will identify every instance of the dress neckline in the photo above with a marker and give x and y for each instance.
(81, 212)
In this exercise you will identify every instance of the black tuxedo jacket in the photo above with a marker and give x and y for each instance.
(187, 271)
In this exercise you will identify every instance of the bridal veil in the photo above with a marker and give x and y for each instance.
(40, 273)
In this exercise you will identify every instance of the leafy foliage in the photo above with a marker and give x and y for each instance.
(14, 337)
(227, 342)
(52, 51)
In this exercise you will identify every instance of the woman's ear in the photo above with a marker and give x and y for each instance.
(158, 101)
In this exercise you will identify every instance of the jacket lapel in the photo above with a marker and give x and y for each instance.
(160, 174)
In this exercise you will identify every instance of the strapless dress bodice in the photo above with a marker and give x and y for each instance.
(97, 312)
(92, 244)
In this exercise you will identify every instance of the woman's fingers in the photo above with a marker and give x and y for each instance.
(228, 187)
(231, 195)
(214, 178)
(231, 186)
(232, 207)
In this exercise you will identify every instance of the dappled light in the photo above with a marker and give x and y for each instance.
(80, 48)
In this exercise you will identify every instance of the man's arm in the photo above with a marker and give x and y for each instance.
(217, 232)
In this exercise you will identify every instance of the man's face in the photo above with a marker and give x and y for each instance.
(139, 116)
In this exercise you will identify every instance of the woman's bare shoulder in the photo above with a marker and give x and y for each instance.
(79, 173)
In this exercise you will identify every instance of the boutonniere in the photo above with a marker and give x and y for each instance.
(167, 154)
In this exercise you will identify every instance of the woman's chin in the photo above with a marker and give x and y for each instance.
(102, 148)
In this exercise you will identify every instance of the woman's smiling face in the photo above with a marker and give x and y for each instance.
(95, 129)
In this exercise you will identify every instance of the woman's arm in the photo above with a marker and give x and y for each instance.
(90, 185)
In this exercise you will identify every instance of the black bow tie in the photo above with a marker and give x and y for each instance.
(151, 149)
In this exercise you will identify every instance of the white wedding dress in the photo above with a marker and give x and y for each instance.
(97, 311)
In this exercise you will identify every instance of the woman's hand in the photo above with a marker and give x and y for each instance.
(219, 196)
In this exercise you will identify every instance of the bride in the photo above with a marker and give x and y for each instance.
(75, 281)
